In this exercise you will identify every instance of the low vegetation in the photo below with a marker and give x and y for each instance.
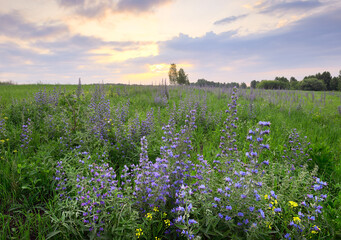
(160, 162)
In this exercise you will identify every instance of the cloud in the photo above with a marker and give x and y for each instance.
(97, 9)
(64, 59)
(70, 3)
(140, 5)
(229, 19)
(309, 42)
(275, 6)
(14, 25)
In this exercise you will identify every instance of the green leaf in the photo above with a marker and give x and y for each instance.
(181, 226)
(52, 234)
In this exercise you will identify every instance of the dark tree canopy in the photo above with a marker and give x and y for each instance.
(313, 84)
(254, 83)
(182, 78)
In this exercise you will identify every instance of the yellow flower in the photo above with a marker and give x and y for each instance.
(313, 232)
(293, 204)
(5, 118)
(155, 209)
(7, 139)
(149, 216)
(139, 232)
(268, 224)
(164, 214)
(265, 196)
(156, 238)
(297, 219)
(167, 222)
(15, 151)
(2, 141)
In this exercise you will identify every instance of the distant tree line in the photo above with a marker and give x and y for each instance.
(6, 83)
(205, 83)
(318, 82)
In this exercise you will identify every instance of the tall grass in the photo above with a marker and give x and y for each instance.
(62, 128)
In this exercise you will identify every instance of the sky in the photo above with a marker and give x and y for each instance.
(135, 41)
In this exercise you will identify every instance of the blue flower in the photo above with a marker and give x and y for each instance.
(287, 236)
(261, 213)
(189, 207)
(228, 207)
(277, 210)
(192, 221)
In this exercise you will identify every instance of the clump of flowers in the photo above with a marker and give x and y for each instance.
(26, 134)
(239, 195)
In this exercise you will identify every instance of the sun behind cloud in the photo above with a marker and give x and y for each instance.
(110, 55)
(155, 73)
(159, 68)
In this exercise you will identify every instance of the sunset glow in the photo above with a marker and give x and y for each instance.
(120, 41)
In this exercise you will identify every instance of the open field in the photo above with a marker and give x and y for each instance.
(161, 162)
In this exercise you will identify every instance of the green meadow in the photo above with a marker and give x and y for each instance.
(54, 132)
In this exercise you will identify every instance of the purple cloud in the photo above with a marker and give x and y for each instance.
(70, 3)
(229, 19)
(309, 42)
(140, 5)
(95, 9)
(14, 25)
(274, 6)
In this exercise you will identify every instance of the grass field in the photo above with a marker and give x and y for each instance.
(160, 162)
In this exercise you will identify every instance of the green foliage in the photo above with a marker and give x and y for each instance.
(335, 84)
(205, 83)
(182, 78)
(31, 208)
(154, 224)
(273, 84)
(313, 84)
(254, 84)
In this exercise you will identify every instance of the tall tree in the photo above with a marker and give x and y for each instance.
(282, 79)
(182, 77)
(313, 84)
(293, 79)
(243, 85)
(293, 83)
(326, 77)
(334, 84)
(253, 84)
(173, 74)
